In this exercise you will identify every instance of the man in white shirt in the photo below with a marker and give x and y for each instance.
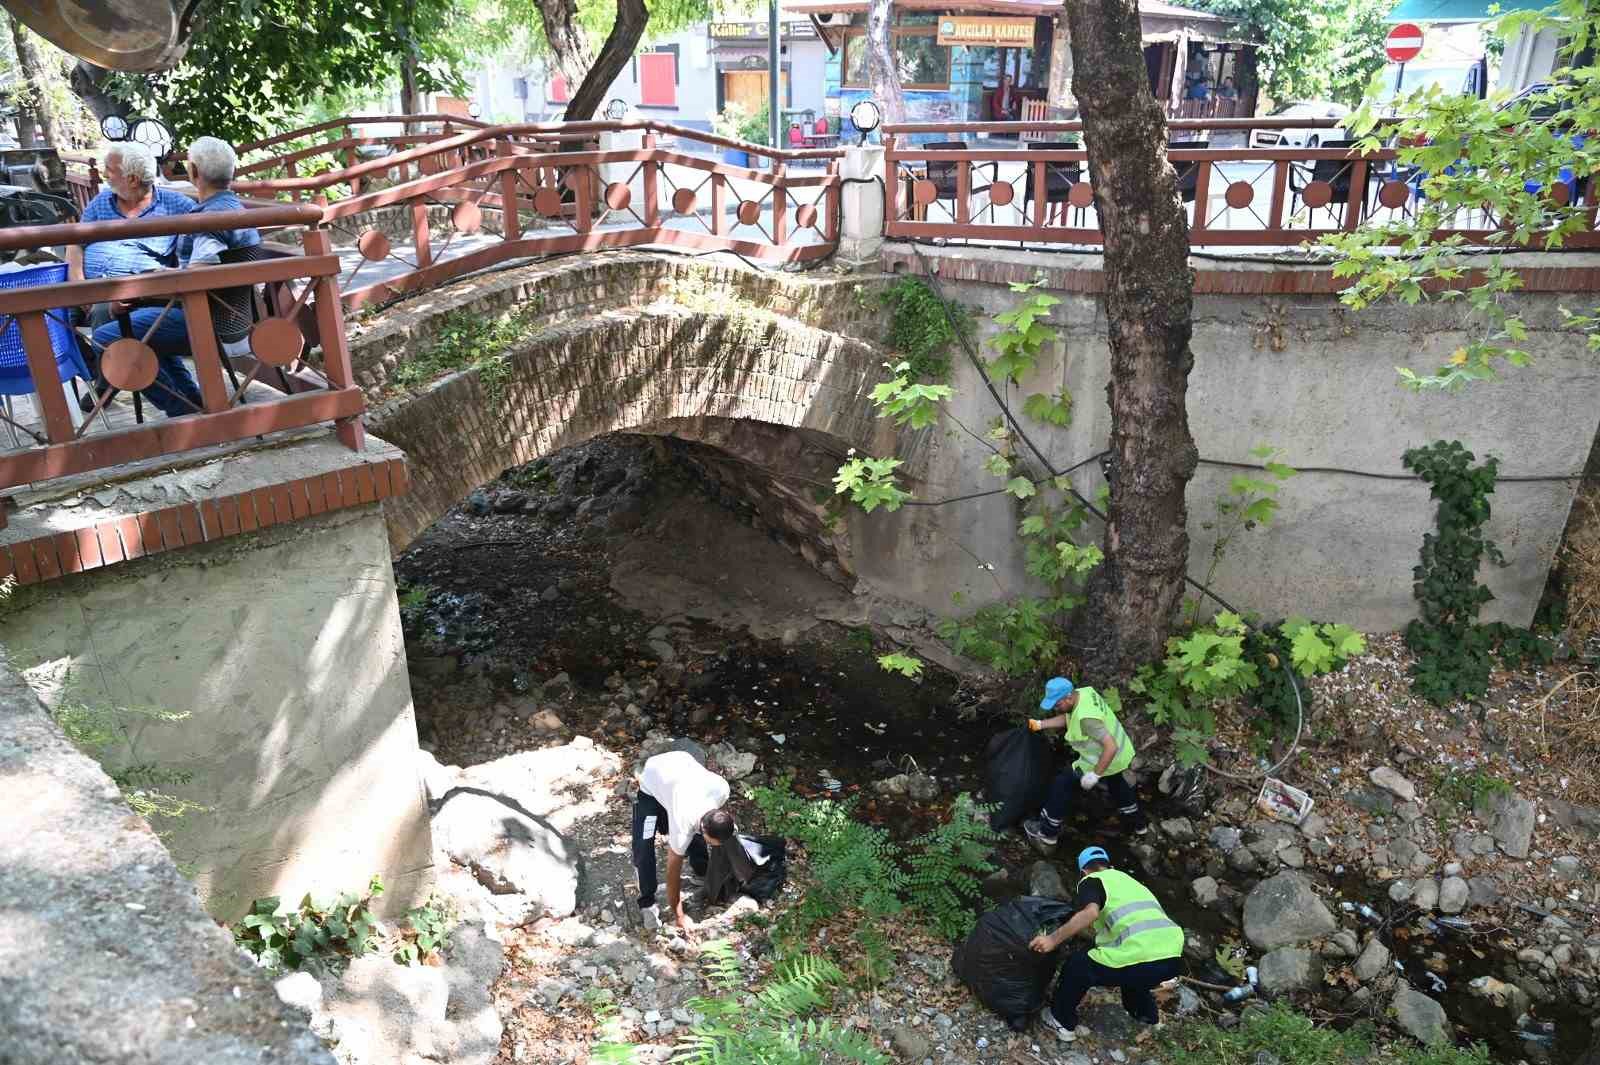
(676, 793)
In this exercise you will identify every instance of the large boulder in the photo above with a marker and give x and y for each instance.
(1044, 881)
(1510, 819)
(1285, 911)
(382, 1013)
(511, 852)
(1374, 961)
(1289, 969)
(1420, 1017)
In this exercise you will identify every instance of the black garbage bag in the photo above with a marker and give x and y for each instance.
(996, 962)
(1019, 772)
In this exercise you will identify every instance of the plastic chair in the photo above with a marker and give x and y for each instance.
(16, 379)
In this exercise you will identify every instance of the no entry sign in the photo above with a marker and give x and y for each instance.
(1404, 42)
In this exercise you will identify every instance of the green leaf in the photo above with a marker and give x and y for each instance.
(1021, 487)
(902, 664)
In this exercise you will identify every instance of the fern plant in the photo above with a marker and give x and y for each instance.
(774, 1025)
(948, 864)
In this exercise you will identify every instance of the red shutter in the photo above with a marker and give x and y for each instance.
(658, 79)
(557, 92)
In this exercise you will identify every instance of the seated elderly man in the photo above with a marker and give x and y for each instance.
(211, 166)
(131, 192)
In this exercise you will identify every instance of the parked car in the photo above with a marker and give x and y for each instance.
(1309, 137)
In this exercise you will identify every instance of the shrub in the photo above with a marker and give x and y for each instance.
(344, 927)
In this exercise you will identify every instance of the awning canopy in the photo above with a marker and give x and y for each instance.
(1459, 10)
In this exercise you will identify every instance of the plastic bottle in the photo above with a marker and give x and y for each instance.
(1369, 913)
(1238, 994)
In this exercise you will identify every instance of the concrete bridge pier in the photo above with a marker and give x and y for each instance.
(252, 593)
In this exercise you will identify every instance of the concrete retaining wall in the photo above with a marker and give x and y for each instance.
(284, 648)
(105, 952)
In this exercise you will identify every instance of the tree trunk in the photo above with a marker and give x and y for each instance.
(569, 49)
(27, 130)
(1134, 596)
(88, 83)
(882, 72)
(626, 33)
(409, 102)
(1059, 92)
(31, 65)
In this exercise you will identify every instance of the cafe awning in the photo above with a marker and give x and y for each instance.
(1160, 22)
(1459, 10)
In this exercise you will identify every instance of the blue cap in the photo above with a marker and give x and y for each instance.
(1092, 854)
(1055, 690)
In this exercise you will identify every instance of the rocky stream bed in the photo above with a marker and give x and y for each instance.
(569, 620)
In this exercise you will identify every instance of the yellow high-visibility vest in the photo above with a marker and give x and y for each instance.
(1132, 926)
(1092, 707)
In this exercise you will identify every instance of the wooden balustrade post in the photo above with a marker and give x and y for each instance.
(1280, 189)
(780, 203)
(289, 170)
(510, 213)
(203, 346)
(335, 350)
(719, 203)
(46, 378)
(1041, 196)
(1358, 196)
(350, 160)
(963, 191)
(582, 179)
(891, 181)
(421, 236)
(652, 193)
(1202, 191)
(835, 198)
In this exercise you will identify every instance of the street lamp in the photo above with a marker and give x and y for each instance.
(865, 116)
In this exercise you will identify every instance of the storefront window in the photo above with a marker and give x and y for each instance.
(923, 63)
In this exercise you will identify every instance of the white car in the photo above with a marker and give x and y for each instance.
(1302, 138)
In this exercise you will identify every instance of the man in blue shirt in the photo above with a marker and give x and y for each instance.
(211, 167)
(131, 192)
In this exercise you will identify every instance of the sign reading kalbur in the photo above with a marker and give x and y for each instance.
(757, 31)
(986, 32)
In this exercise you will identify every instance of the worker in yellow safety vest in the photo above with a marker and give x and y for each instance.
(1103, 750)
(1137, 947)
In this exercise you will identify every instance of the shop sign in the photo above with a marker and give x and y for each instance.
(757, 31)
(977, 32)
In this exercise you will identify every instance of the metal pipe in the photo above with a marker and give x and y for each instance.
(774, 73)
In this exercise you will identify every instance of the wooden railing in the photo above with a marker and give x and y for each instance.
(553, 189)
(83, 176)
(1043, 194)
(311, 390)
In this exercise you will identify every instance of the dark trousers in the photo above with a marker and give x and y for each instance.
(1068, 784)
(1080, 972)
(644, 846)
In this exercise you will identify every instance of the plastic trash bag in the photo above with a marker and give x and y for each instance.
(1019, 773)
(997, 964)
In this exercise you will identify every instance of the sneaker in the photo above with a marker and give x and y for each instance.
(1063, 1033)
(1035, 830)
(650, 916)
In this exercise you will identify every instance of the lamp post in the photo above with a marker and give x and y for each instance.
(773, 72)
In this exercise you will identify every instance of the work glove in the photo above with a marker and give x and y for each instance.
(1034, 724)
(1089, 780)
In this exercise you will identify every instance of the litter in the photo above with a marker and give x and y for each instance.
(1283, 801)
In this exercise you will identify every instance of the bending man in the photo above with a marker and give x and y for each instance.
(676, 793)
(1104, 751)
(1137, 947)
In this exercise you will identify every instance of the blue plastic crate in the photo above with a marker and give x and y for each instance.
(15, 378)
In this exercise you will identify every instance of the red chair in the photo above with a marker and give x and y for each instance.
(797, 136)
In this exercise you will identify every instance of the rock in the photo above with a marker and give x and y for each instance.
(1452, 869)
(1501, 994)
(550, 594)
(1568, 867)
(478, 502)
(731, 763)
(1426, 895)
(1293, 857)
(1225, 839)
(924, 788)
(1372, 800)
(1408, 811)
(422, 1013)
(1465, 844)
(1391, 781)
(1285, 911)
(910, 1043)
(1315, 826)
(1454, 895)
(437, 780)
(1178, 829)
(300, 990)
(546, 721)
(1420, 1017)
(1575, 818)
(1344, 944)
(1244, 860)
(510, 502)
(1373, 962)
(1204, 890)
(1400, 891)
(662, 650)
(1510, 819)
(510, 852)
(1044, 880)
(560, 684)
(1188, 1001)
(1483, 891)
(1289, 969)
(1410, 857)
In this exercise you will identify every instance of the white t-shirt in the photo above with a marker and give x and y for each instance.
(687, 789)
